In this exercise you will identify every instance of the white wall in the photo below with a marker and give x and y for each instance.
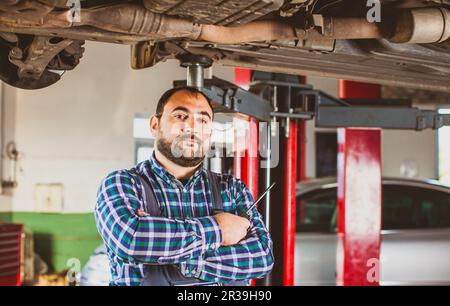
(8, 96)
(417, 149)
(80, 129)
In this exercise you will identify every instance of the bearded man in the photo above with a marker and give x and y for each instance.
(169, 221)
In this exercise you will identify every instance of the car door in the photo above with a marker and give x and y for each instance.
(315, 245)
(415, 237)
(415, 247)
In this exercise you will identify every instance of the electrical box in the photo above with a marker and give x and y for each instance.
(48, 197)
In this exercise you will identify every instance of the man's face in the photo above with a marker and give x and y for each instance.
(183, 131)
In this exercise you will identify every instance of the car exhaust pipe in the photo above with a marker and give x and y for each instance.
(335, 28)
(135, 19)
(421, 26)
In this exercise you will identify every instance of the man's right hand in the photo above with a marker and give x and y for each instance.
(233, 228)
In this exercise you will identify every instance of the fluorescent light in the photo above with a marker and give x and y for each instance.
(444, 111)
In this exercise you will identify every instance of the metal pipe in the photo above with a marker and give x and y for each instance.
(267, 280)
(195, 75)
(334, 28)
(136, 19)
(423, 25)
(267, 170)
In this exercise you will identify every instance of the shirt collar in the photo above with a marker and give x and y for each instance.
(162, 172)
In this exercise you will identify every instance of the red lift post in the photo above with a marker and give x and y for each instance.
(248, 165)
(301, 169)
(247, 168)
(359, 196)
(290, 179)
(295, 167)
(250, 160)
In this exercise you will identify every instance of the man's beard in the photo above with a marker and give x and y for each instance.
(175, 154)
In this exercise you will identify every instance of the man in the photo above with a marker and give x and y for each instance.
(213, 249)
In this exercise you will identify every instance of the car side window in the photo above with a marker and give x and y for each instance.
(315, 211)
(399, 208)
(415, 208)
(434, 209)
(404, 207)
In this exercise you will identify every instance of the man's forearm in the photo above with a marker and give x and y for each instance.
(147, 239)
(154, 240)
(251, 258)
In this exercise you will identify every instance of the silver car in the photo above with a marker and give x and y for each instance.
(415, 236)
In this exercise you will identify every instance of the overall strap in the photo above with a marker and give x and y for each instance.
(152, 206)
(169, 275)
(215, 190)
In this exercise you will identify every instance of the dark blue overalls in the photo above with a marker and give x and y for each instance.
(169, 274)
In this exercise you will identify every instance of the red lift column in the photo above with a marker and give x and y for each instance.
(290, 179)
(249, 163)
(359, 196)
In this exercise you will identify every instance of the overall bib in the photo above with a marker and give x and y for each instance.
(169, 274)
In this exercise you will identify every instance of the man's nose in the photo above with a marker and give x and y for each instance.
(192, 125)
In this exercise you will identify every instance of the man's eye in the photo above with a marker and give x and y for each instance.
(180, 116)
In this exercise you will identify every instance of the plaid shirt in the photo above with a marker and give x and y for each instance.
(187, 235)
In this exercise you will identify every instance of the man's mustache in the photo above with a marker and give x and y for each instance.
(188, 137)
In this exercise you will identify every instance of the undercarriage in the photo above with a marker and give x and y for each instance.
(400, 43)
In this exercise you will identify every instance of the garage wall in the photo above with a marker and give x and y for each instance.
(403, 150)
(77, 131)
(7, 129)
(71, 136)
(329, 86)
(80, 129)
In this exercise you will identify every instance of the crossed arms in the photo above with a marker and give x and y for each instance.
(196, 244)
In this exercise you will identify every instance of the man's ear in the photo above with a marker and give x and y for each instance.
(154, 125)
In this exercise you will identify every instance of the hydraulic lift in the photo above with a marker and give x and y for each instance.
(281, 106)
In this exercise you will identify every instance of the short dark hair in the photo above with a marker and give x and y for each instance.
(169, 93)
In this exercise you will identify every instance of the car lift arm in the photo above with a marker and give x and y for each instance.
(328, 111)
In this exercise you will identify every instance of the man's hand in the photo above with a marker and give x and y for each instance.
(233, 228)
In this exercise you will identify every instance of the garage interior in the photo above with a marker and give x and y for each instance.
(362, 171)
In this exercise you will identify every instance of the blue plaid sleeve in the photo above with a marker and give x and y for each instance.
(148, 239)
(251, 258)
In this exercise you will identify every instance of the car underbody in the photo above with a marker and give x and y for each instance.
(406, 44)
